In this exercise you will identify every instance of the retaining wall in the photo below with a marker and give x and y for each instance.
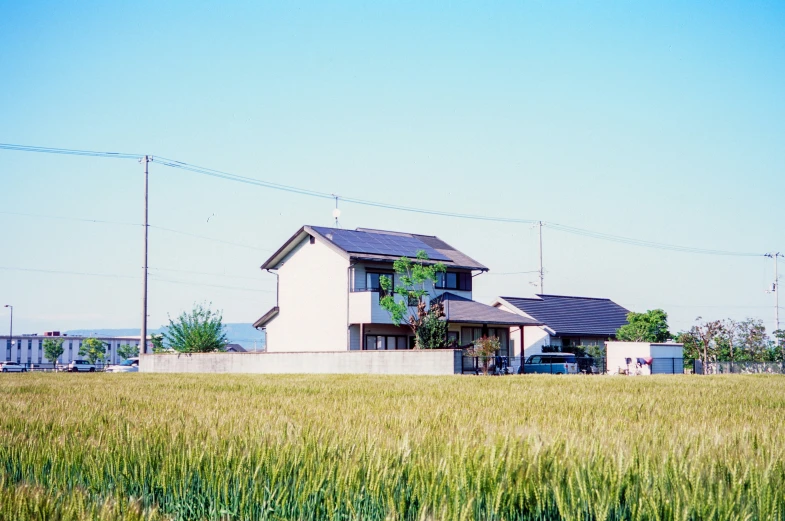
(414, 362)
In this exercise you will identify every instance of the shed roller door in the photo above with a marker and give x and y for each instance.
(667, 366)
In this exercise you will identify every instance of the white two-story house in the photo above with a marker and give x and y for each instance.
(329, 288)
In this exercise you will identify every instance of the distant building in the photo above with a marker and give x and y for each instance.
(234, 348)
(565, 321)
(29, 349)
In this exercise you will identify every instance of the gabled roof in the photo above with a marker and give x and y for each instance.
(458, 309)
(572, 315)
(377, 245)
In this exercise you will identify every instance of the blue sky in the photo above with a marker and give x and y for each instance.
(653, 120)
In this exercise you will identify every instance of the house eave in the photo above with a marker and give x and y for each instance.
(267, 317)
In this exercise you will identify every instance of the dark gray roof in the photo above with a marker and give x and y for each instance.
(377, 245)
(463, 310)
(234, 348)
(573, 315)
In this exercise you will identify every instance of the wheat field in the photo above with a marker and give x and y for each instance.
(154, 446)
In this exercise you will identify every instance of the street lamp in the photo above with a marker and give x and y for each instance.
(11, 332)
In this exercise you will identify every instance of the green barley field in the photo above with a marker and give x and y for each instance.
(140, 446)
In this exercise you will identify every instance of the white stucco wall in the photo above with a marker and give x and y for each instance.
(418, 362)
(312, 301)
(618, 352)
(534, 337)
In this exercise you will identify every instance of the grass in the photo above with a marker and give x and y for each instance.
(149, 447)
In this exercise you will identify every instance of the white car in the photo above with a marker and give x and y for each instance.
(80, 365)
(126, 366)
(9, 367)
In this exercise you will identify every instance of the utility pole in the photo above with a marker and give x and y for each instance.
(542, 274)
(143, 334)
(336, 211)
(11, 330)
(775, 288)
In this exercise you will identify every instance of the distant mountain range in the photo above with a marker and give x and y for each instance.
(238, 333)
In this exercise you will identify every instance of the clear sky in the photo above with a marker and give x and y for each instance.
(662, 121)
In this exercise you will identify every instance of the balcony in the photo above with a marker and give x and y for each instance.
(364, 308)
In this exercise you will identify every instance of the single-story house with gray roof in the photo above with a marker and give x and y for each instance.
(565, 321)
(329, 290)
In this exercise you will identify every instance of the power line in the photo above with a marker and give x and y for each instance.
(63, 272)
(187, 283)
(568, 229)
(172, 163)
(212, 274)
(189, 234)
(69, 152)
(119, 276)
(65, 218)
(648, 244)
(162, 228)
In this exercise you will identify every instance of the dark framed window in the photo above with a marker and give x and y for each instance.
(373, 280)
(453, 338)
(451, 280)
(385, 342)
(413, 300)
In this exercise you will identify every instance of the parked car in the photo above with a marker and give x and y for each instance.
(552, 363)
(126, 366)
(78, 366)
(11, 367)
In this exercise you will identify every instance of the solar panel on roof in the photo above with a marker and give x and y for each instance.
(379, 243)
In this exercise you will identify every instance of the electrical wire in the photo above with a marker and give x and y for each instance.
(188, 283)
(162, 228)
(119, 276)
(189, 234)
(63, 272)
(172, 163)
(68, 151)
(65, 218)
(206, 273)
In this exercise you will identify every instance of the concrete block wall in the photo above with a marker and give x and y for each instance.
(414, 362)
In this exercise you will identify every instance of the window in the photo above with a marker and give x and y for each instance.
(40, 351)
(373, 280)
(413, 300)
(385, 342)
(71, 350)
(8, 349)
(470, 334)
(452, 338)
(451, 280)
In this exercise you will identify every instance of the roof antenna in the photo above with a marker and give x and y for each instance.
(336, 211)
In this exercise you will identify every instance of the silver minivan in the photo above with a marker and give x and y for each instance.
(550, 363)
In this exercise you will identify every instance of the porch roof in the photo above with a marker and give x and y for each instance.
(266, 317)
(458, 309)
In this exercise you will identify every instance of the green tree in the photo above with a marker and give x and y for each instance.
(753, 339)
(701, 341)
(779, 336)
(53, 348)
(200, 331)
(93, 349)
(158, 343)
(484, 348)
(415, 277)
(651, 326)
(127, 351)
